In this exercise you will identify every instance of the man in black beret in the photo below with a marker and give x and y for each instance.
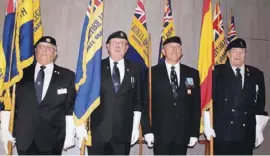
(238, 102)
(44, 105)
(115, 122)
(175, 103)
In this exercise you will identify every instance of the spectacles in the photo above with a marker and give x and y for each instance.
(121, 44)
(49, 48)
(173, 47)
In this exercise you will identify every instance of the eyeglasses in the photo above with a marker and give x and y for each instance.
(121, 44)
(173, 47)
(49, 48)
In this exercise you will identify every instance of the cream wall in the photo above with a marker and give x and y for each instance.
(63, 19)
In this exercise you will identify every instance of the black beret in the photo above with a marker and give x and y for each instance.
(237, 43)
(47, 39)
(174, 39)
(117, 34)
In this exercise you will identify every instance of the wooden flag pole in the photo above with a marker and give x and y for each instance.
(150, 76)
(140, 142)
(12, 112)
(211, 123)
(11, 121)
(82, 148)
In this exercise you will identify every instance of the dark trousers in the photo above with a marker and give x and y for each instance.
(233, 148)
(108, 148)
(34, 150)
(172, 148)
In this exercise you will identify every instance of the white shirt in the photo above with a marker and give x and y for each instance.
(121, 67)
(47, 77)
(242, 72)
(177, 70)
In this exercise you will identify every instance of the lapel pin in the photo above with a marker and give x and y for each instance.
(189, 91)
(57, 72)
(127, 69)
(247, 71)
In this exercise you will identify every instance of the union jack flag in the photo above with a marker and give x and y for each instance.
(140, 13)
(138, 37)
(231, 30)
(96, 4)
(168, 28)
(219, 36)
(218, 22)
(88, 10)
(167, 14)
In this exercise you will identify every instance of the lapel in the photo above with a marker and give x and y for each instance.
(165, 80)
(231, 80)
(52, 86)
(30, 80)
(247, 84)
(181, 88)
(125, 83)
(230, 77)
(106, 75)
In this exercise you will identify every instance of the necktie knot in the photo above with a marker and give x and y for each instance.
(115, 63)
(238, 69)
(173, 67)
(42, 68)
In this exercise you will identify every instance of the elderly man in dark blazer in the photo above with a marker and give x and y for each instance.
(114, 124)
(238, 104)
(44, 105)
(175, 103)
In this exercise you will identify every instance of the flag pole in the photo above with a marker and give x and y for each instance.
(211, 123)
(82, 148)
(150, 76)
(12, 112)
(11, 121)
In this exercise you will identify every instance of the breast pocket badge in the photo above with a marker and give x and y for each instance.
(62, 91)
(189, 85)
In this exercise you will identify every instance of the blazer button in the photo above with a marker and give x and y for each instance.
(244, 125)
(233, 110)
(231, 122)
(226, 99)
(174, 104)
(245, 112)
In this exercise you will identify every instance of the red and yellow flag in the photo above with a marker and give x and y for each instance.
(206, 59)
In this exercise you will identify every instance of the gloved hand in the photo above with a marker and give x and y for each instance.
(135, 129)
(5, 134)
(208, 130)
(70, 133)
(81, 134)
(192, 141)
(149, 138)
(261, 121)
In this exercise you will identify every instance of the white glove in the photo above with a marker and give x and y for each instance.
(70, 133)
(208, 130)
(81, 134)
(261, 123)
(5, 134)
(149, 138)
(135, 128)
(192, 141)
